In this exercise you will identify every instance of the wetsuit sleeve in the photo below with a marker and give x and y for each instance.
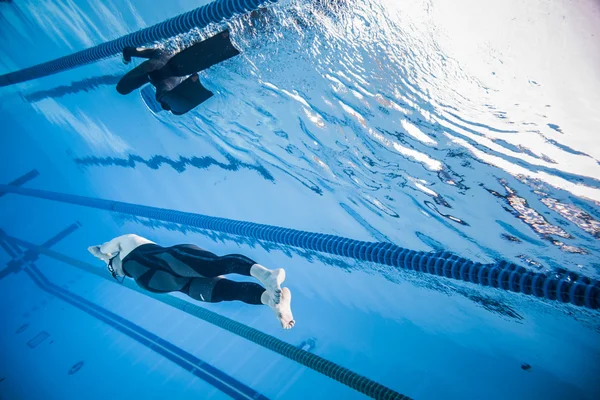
(145, 53)
(129, 52)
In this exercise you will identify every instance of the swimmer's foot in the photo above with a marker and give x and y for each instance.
(271, 279)
(282, 310)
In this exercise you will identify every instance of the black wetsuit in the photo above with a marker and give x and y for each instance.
(146, 71)
(189, 269)
(178, 86)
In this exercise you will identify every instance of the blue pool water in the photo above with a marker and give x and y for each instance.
(463, 126)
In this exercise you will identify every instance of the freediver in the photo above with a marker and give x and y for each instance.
(175, 77)
(195, 272)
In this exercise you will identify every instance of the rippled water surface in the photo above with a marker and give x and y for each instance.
(467, 127)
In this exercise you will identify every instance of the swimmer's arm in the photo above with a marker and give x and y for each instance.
(95, 251)
(144, 53)
(129, 52)
(109, 249)
(112, 247)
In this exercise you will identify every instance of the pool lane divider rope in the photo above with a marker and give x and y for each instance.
(200, 17)
(316, 363)
(201, 369)
(19, 258)
(20, 181)
(566, 288)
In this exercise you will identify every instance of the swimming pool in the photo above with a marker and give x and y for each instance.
(432, 126)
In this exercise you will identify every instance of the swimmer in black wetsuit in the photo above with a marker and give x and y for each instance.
(141, 75)
(188, 269)
(175, 77)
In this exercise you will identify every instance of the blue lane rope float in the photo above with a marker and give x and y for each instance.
(566, 288)
(316, 363)
(200, 17)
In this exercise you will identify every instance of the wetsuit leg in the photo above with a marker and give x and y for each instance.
(198, 57)
(215, 290)
(192, 261)
(193, 271)
(181, 95)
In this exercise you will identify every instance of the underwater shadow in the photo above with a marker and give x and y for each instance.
(179, 165)
(84, 85)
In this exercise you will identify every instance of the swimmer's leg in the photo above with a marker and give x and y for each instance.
(270, 278)
(198, 57)
(283, 309)
(190, 260)
(216, 290)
